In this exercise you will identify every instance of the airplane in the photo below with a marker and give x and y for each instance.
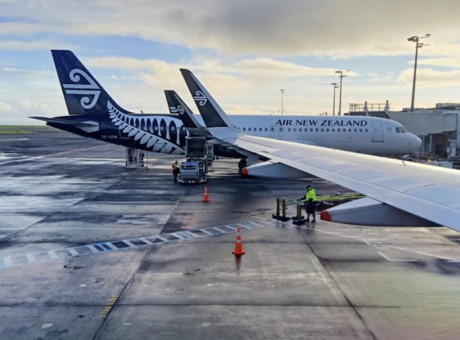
(370, 135)
(399, 192)
(93, 113)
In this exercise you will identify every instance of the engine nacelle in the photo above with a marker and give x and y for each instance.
(269, 169)
(367, 211)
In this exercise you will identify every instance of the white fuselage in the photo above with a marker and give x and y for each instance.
(363, 134)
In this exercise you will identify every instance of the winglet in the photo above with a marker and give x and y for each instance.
(212, 113)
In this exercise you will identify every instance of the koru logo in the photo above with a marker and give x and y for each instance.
(200, 98)
(177, 109)
(86, 90)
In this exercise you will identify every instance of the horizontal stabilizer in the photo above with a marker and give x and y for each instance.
(367, 211)
(87, 126)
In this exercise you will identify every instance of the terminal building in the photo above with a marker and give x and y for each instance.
(438, 127)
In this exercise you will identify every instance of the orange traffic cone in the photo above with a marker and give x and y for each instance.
(205, 196)
(238, 245)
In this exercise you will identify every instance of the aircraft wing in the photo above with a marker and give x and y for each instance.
(397, 190)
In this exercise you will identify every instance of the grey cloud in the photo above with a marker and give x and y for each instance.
(271, 27)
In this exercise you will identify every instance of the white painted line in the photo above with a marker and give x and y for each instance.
(219, 230)
(164, 239)
(31, 258)
(394, 260)
(422, 253)
(143, 239)
(230, 227)
(111, 246)
(179, 236)
(73, 251)
(190, 234)
(245, 226)
(206, 232)
(52, 254)
(132, 245)
(92, 248)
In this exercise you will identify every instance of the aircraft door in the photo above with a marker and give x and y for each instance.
(280, 130)
(272, 130)
(377, 135)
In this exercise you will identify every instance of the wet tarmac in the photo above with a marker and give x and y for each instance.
(89, 250)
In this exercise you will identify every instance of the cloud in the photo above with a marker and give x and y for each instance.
(333, 28)
(5, 107)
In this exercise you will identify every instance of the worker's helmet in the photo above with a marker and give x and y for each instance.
(308, 187)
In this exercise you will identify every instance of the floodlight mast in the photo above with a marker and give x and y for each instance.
(335, 86)
(417, 46)
(341, 75)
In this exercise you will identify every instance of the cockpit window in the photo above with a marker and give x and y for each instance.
(398, 130)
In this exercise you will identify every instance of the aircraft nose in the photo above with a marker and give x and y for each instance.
(415, 145)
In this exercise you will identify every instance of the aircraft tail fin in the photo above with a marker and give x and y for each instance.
(177, 106)
(212, 113)
(82, 93)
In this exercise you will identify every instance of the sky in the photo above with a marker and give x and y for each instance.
(243, 51)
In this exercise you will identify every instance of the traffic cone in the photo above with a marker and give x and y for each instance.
(205, 196)
(238, 245)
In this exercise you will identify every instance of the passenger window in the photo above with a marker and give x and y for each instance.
(249, 129)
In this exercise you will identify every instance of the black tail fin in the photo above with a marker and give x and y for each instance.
(212, 113)
(177, 106)
(82, 93)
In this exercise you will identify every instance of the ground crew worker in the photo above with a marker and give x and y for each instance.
(175, 170)
(310, 203)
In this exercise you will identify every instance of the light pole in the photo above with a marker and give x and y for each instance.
(282, 94)
(341, 75)
(333, 98)
(418, 45)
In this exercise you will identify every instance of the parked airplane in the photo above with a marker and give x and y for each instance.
(398, 192)
(93, 113)
(376, 136)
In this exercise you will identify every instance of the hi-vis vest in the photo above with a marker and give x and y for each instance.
(310, 194)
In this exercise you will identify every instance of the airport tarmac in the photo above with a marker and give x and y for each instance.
(89, 250)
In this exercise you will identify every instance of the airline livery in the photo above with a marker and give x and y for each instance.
(93, 113)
